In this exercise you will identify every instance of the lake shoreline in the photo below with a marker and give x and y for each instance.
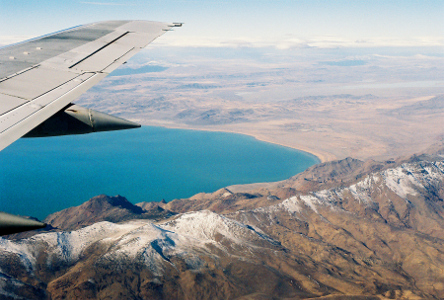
(320, 156)
(144, 165)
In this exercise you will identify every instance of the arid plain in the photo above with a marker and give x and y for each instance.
(377, 103)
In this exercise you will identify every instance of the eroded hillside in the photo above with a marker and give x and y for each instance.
(368, 229)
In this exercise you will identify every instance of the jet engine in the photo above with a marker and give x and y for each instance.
(75, 119)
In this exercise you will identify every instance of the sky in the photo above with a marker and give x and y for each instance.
(243, 23)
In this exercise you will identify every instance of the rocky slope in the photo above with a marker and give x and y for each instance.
(318, 177)
(366, 230)
(103, 208)
(99, 208)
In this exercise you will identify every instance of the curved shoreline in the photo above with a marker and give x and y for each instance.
(320, 156)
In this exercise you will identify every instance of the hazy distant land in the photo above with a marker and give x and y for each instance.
(330, 102)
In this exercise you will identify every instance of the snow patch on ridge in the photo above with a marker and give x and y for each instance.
(192, 234)
(140, 241)
(295, 204)
(362, 190)
(400, 180)
(291, 205)
(68, 246)
(407, 179)
(146, 243)
(208, 227)
(22, 250)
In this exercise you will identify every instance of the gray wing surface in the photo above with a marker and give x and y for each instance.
(40, 77)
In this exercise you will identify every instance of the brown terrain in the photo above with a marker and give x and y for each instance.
(345, 229)
(379, 107)
(366, 223)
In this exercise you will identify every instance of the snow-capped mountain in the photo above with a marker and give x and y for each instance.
(378, 230)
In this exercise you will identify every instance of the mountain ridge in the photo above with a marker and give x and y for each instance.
(362, 230)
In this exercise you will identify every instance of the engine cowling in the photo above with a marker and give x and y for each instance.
(75, 119)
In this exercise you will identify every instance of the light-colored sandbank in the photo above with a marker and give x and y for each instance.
(322, 156)
(379, 129)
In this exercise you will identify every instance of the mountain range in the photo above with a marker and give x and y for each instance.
(346, 229)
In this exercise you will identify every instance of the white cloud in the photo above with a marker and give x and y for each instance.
(288, 42)
(284, 42)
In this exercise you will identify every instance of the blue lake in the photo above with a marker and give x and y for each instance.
(42, 175)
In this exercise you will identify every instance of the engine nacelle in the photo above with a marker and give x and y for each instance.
(75, 119)
(10, 224)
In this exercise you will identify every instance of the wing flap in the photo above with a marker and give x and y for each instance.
(23, 119)
(68, 60)
(8, 103)
(103, 58)
(36, 82)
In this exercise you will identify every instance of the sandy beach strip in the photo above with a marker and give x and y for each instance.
(320, 155)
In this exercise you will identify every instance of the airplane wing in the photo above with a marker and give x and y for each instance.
(40, 78)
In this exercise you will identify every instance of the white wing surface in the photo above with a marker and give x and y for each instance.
(41, 77)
